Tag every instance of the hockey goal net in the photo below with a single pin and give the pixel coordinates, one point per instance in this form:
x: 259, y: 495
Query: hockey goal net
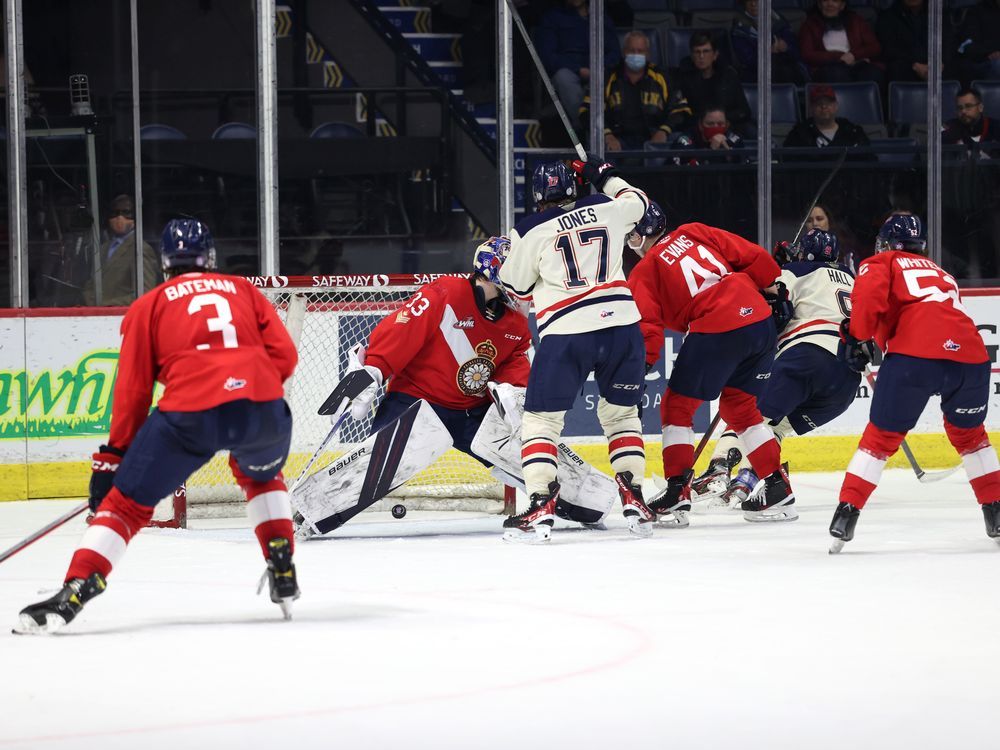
x: 327, y: 316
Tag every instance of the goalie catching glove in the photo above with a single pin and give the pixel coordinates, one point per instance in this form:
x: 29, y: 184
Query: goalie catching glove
x: 104, y: 465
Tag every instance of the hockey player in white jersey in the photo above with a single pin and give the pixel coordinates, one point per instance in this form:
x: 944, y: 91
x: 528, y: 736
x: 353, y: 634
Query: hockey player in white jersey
x: 809, y: 386
x: 567, y: 258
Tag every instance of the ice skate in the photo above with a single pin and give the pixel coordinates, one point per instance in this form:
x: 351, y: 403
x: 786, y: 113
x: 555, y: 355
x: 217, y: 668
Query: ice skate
x: 773, y: 500
x: 845, y: 518
x: 534, y: 526
x: 58, y: 611
x: 991, y: 514
x: 280, y: 576
x: 639, y: 516
x: 716, y: 479
x: 673, y: 504
x: 739, y: 490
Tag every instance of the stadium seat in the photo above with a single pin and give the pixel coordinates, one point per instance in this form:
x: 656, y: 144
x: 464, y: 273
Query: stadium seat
x: 899, y: 157
x: 655, y: 54
x: 908, y: 104
x: 160, y: 132
x: 336, y: 130
x: 708, y: 13
x: 990, y: 91
x: 677, y: 43
x: 861, y: 104
x: 784, y: 105
x: 235, y: 130
x: 640, y: 5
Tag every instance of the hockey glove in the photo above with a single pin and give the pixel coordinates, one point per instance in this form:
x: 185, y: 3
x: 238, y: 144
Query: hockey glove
x: 782, y: 253
x: 104, y: 465
x: 781, y: 306
x: 595, y: 171
x: 361, y: 406
x: 856, y: 354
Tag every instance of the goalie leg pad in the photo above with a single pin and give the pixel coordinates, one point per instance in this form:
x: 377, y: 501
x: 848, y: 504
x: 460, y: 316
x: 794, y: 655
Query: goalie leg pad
x: 368, y: 472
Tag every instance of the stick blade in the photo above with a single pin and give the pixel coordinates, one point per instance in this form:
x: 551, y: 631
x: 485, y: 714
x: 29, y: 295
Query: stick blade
x: 349, y: 387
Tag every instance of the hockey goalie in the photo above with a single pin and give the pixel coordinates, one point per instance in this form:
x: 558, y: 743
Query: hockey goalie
x: 437, y: 355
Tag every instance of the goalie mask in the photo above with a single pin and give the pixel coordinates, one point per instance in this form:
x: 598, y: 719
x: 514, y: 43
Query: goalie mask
x: 652, y: 224
x: 489, y: 257
x: 187, y: 243
x: 902, y: 232
x: 817, y: 245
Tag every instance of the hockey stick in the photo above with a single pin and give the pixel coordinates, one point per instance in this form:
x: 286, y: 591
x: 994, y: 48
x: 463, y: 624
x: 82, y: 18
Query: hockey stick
x: 341, y: 413
x: 922, y: 476
x: 819, y: 194
x: 43, y: 531
x: 705, y: 438
x: 547, y: 83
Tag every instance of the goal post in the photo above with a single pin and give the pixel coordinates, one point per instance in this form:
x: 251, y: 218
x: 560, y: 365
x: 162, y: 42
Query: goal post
x: 327, y: 316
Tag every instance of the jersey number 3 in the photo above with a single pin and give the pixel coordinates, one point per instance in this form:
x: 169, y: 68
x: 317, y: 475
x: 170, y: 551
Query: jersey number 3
x: 564, y: 245
x: 222, y: 322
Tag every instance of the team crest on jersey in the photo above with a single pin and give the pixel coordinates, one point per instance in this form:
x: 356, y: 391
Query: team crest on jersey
x: 746, y: 312
x: 607, y: 313
x: 234, y: 384
x: 474, y: 374
x: 951, y: 346
x: 468, y: 322
x: 402, y: 317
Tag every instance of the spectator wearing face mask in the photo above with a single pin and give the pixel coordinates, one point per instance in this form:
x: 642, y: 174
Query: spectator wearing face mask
x: 117, y: 255
x: 639, y: 103
x: 714, y: 132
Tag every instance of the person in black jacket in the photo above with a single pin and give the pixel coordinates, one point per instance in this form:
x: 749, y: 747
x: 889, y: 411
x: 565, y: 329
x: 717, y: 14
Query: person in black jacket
x: 786, y: 64
x: 824, y: 128
x: 902, y: 32
x: 704, y: 82
x: 979, y: 42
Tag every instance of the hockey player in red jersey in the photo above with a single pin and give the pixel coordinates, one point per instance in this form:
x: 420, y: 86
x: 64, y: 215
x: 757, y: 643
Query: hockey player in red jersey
x: 705, y: 282
x: 911, y: 308
x: 222, y: 355
x: 444, y: 345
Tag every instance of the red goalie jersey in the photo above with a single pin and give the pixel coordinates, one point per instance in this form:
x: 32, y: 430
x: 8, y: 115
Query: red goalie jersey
x: 688, y: 282
x: 209, y: 338
x: 440, y: 347
x: 910, y: 305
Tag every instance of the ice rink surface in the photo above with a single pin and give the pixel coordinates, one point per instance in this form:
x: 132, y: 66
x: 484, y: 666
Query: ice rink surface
x: 431, y: 634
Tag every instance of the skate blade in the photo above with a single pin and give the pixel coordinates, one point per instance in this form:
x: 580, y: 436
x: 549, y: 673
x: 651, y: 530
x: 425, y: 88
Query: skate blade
x: 640, y: 528
x: 714, y: 489
x: 775, y: 515
x: 538, y: 535
x: 675, y: 519
x: 286, y: 607
x: 836, y: 546
x: 27, y: 626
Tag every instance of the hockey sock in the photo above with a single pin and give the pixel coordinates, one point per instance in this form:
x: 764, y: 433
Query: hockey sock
x: 118, y: 519
x: 268, y: 507
x: 677, y: 414
x: 539, y: 456
x: 979, y: 459
x: 740, y: 411
x: 865, y: 469
x: 626, y: 448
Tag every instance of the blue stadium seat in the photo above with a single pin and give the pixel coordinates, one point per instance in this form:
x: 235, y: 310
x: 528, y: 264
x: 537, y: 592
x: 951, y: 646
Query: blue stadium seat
x: 784, y: 104
x: 858, y: 102
x: 159, y: 132
x: 235, y: 130
x: 336, y: 130
x: 897, y: 157
x: 990, y: 91
x: 908, y: 103
x: 655, y: 54
x: 650, y: 5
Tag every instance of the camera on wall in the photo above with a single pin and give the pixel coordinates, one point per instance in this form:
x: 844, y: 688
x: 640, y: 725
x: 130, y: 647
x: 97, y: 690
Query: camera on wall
x: 79, y: 95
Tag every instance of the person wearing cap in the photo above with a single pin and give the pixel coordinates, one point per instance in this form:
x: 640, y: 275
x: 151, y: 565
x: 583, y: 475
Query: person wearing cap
x: 838, y: 45
x: 118, y: 260
x: 824, y: 129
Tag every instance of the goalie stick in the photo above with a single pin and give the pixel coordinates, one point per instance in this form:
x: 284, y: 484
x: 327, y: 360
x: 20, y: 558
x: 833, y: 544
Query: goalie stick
x: 922, y: 476
x: 43, y: 531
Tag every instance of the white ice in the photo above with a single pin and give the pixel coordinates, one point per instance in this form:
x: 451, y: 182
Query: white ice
x: 723, y: 635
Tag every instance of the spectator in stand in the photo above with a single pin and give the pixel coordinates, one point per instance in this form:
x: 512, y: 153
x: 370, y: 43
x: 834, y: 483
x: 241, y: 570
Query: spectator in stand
x: 118, y: 260
x: 824, y: 128
x: 704, y: 82
x: 979, y: 42
x: 902, y: 32
x: 639, y: 104
x: 712, y: 131
x: 786, y: 64
x: 838, y: 45
x: 972, y: 127
x: 563, y: 42
x: 822, y: 218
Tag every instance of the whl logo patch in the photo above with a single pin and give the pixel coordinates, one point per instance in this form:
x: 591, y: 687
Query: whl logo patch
x: 469, y: 322
x: 234, y: 384
x: 746, y: 311
x: 951, y: 346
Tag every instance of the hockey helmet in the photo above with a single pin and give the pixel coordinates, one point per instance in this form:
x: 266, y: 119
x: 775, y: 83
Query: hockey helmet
x: 552, y: 182
x: 819, y: 246
x: 652, y: 224
x: 490, y: 256
x: 187, y: 243
x: 902, y: 232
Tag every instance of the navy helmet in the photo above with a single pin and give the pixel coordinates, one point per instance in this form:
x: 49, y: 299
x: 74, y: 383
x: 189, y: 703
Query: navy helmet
x: 902, y: 232
x: 490, y: 256
x: 652, y: 224
x: 553, y: 183
x: 819, y: 246
x: 187, y: 243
